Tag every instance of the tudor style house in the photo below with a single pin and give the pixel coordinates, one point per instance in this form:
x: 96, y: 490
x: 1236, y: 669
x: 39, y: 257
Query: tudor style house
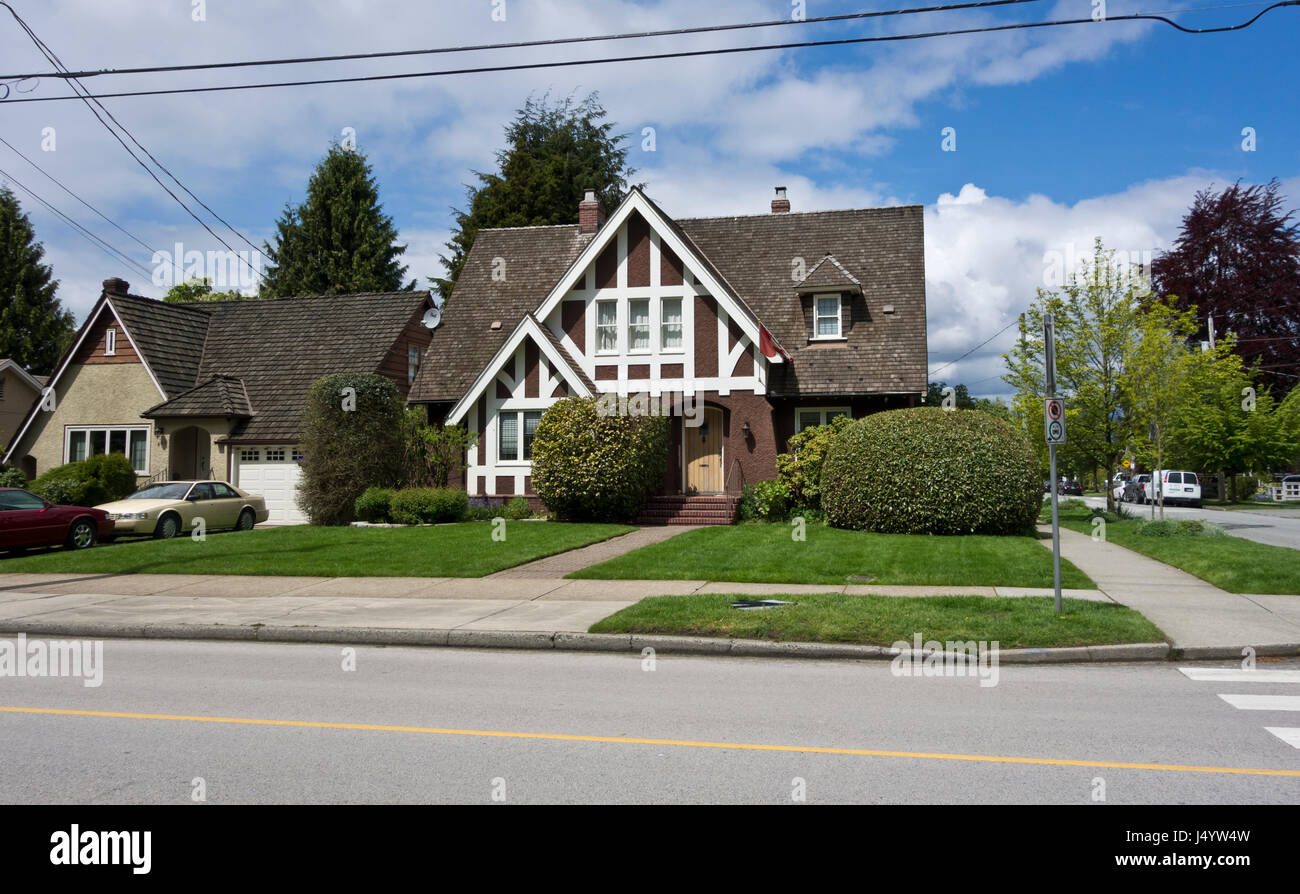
x: 213, y: 389
x: 747, y: 329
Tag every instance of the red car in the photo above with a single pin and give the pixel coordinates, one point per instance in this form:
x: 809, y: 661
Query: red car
x: 26, y: 520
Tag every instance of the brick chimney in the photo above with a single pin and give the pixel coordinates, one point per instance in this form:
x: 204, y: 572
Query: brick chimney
x: 115, y: 286
x: 780, y: 205
x: 591, y: 213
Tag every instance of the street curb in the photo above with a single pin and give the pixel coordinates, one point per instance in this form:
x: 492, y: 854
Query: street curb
x: 600, y: 642
x: 1205, y: 653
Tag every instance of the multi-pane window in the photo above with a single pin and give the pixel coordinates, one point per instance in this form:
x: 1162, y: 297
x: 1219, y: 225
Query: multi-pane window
x: 828, y: 316
x: 508, y: 437
x: 250, y: 455
x: 298, y: 455
x: 606, y: 327
x: 810, y: 416
x: 133, y: 443
x: 638, y: 325
x: 275, y: 454
x: 670, y: 335
x: 530, y: 428
x: 412, y: 363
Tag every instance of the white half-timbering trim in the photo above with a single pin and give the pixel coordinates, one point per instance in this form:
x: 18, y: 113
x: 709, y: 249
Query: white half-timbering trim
x: 528, y: 328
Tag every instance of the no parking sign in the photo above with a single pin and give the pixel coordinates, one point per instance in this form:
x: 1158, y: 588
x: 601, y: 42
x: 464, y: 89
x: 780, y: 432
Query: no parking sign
x: 1054, y: 420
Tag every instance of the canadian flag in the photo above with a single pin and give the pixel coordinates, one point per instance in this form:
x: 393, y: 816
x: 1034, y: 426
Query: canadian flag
x: 768, y: 345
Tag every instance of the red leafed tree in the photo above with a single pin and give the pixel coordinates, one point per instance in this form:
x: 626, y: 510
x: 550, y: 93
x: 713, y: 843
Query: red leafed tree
x: 1238, y: 259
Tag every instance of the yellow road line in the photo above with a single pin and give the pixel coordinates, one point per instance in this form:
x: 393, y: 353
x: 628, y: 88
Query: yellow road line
x: 680, y: 743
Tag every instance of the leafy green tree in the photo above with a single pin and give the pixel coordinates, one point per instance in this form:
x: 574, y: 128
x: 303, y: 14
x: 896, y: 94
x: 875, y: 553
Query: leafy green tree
x: 338, y: 242
x: 35, y: 329
x: 961, y: 400
x: 1094, y: 315
x: 554, y: 152
x: 1156, y: 378
x: 197, y: 290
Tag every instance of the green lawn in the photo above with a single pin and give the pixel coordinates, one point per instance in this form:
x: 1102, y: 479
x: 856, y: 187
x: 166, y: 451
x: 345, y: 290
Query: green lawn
x: 1230, y: 563
x: 465, y: 550
x: 768, y: 554
x: 882, y: 620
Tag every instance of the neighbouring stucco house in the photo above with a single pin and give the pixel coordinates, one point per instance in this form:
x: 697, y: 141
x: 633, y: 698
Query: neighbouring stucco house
x: 744, y: 329
x: 18, y: 392
x: 213, y: 389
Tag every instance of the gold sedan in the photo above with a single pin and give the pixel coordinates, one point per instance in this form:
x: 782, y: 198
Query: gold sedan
x: 168, y: 508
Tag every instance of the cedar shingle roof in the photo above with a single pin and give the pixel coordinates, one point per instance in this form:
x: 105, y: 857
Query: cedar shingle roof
x: 218, y: 396
x: 880, y: 251
x: 169, y: 336
x: 257, y: 357
x: 568, y: 358
x: 828, y: 275
x: 883, y: 247
x: 535, y: 259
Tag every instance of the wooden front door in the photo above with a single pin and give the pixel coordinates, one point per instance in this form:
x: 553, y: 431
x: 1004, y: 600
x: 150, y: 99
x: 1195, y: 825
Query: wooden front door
x: 702, y: 449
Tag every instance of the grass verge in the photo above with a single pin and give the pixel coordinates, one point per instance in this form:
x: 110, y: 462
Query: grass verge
x: 464, y: 550
x: 1230, y: 563
x: 769, y: 554
x: 1026, y: 622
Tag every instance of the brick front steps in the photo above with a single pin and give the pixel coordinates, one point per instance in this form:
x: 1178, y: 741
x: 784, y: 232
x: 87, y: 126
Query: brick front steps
x: 689, y: 510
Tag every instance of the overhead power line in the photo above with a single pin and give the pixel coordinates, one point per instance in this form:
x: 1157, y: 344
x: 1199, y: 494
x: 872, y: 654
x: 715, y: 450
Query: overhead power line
x: 112, y: 250
x: 977, y: 347
x: 95, y: 107
x: 518, y: 45
x: 680, y: 54
x: 59, y: 183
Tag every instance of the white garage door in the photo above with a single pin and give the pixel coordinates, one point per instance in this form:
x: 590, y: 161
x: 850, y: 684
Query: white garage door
x: 272, y: 473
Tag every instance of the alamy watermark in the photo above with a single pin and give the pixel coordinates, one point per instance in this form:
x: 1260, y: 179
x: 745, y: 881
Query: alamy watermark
x: 670, y: 403
x: 954, y: 658
x: 55, y: 658
x: 225, y: 270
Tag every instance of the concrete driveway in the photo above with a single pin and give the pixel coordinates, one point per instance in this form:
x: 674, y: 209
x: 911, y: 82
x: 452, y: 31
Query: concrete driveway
x: 1274, y: 526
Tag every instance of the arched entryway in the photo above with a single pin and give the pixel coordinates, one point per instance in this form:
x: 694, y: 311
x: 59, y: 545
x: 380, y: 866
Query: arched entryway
x: 189, y: 454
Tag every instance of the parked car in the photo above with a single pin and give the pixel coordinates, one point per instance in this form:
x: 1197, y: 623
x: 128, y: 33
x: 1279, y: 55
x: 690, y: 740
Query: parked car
x: 169, y: 508
x: 1119, y: 487
x: 1072, y: 488
x: 1137, y: 488
x: 1177, y: 487
x: 26, y: 520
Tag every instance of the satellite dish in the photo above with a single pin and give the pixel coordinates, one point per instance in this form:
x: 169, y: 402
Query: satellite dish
x: 432, y: 317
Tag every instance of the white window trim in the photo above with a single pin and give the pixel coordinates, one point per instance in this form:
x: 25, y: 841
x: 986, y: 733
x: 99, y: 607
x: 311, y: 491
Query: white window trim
x: 681, y: 321
x: 413, y: 356
x: 520, y: 462
x: 110, y: 342
x: 839, y: 318
x: 649, y: 328
x: 615, y: 325
x: 148, y: 439
x: 827, y: 413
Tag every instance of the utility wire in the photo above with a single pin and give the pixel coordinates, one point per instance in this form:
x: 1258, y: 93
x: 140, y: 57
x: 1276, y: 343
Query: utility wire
x: 58, y: 183
x: 102, y: 244
x: 976, y: 348
x: 96, y: 107
x: 674, y: 32
x: 682, y: 54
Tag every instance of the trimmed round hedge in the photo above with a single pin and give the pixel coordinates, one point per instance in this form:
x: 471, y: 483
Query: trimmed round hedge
x: 590, y: 465
x: 932, y: 471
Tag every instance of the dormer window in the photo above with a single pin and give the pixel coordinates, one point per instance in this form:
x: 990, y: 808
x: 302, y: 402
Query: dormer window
x: 827, y: 323
x: 110, y: 343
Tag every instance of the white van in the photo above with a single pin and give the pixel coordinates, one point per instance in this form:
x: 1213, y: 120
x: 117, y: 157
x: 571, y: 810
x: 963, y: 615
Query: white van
x: 1178, y: 487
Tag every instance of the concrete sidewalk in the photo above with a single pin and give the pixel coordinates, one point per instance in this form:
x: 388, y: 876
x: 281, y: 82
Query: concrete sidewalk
x: 1192, y: 613
x: 559, y: 565
x: 489, y: 603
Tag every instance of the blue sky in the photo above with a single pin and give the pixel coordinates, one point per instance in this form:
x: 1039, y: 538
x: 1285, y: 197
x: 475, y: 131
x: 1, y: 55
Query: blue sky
x: 1061, y: 134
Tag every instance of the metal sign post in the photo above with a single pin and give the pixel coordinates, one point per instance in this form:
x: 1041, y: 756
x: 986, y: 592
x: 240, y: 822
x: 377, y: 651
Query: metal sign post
x: 1054, y: 433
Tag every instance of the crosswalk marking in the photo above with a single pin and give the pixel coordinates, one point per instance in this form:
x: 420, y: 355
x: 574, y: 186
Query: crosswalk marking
x: 1263, y: 702
x: 1288, y: 734
x: 1236, y: 675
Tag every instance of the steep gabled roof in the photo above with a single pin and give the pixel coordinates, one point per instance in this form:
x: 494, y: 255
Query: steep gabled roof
x: 8, y: 365
x: 536, y: 258
x: 168, y: 337
x: 217, y: 396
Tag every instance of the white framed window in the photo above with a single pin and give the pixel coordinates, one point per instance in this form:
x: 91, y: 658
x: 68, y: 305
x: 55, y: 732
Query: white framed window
x: 298, y: 455
x: 275, y: 454
x: 249, y: 454
x: 638, y: 326
x: 110, y: 342
x: 83, y: 442
x: 412, y: 363
x: 606, y: 327
x: 515, y: 431
x: 670, y: 324
x: 807, y: 417
x: 826, y: 317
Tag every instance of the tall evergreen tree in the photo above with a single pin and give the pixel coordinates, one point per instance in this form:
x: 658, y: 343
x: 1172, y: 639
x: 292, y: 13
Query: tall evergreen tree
x: 338, y: 242
x: 35, y: 329
x: 554, y: 152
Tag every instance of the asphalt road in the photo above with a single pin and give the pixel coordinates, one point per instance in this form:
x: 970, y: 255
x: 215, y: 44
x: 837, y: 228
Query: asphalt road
x: 446, y: 725
x: 1276, y: 527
